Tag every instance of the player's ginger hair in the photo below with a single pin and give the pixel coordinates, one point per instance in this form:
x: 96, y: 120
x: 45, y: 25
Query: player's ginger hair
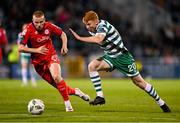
x: 90, y: 15
x: 38, y: 13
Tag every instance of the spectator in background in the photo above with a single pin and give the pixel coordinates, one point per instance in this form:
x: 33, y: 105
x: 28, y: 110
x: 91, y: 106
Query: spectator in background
x: 62, y: 15
x: 13, y: 59
x: 25, y: 64
x: 3, y: 40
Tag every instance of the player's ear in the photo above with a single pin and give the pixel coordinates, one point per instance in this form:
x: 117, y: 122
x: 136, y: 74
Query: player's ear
x: 83, y: 21
x: 96, y: 21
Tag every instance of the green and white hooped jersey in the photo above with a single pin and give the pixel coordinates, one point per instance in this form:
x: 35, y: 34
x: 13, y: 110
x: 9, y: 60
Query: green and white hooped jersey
x: 115, y: 53
x: 112, y: 44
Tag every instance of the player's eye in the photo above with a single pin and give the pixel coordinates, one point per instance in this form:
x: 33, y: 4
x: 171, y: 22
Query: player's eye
x: 39, y: 22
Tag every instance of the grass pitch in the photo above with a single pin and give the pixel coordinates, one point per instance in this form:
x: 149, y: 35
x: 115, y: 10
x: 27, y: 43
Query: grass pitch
x: 124, y: 102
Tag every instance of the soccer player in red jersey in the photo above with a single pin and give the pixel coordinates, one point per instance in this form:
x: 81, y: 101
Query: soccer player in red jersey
x: 44, y: 57
x: 3, y: 40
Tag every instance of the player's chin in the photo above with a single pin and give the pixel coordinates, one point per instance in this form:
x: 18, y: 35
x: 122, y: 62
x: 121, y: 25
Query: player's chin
x: 39, y: 29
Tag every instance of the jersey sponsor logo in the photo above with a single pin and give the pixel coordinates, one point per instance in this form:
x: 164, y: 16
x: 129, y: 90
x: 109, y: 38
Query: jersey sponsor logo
x: 43, y: 38
x: 46, y: 31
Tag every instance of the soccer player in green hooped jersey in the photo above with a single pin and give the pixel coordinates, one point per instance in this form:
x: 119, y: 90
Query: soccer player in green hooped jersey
x: 116, y: 56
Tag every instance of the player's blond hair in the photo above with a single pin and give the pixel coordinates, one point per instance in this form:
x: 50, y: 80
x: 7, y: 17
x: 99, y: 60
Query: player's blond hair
x: 90, y: 15
x: 38, y: 13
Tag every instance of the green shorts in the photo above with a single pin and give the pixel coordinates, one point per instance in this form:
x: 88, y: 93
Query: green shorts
x: 124, y: 63
x: 25, y: 57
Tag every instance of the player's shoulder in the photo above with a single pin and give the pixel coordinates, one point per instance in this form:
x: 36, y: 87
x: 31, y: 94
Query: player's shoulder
x: 102, y: 23
x: 29, y: 26
x: 50, y: 24
x: 27, y: 29
x: 47, y: 23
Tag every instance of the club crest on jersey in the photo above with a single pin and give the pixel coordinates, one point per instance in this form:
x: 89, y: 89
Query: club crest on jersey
x: 46, y: 31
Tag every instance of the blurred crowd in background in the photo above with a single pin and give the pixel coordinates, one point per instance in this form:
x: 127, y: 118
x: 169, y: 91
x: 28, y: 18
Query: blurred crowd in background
x: 150, y: 29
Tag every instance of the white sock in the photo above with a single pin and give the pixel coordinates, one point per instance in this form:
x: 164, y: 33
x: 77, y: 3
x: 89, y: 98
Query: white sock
x: 67, y: 104
x: 160, y: 102
x: 24, y: 75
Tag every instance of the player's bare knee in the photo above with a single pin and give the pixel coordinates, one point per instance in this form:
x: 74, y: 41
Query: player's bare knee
x: 91, y: 67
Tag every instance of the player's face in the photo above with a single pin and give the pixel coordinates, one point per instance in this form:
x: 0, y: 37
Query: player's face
x: 91, y: 25
x: 39, y: 22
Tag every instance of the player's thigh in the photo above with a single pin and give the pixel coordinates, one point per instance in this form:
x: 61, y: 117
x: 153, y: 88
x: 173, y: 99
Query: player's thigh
x: 55, y: 69
x: 104, y: 66
x: 98, y: 65
x: 44, y: 72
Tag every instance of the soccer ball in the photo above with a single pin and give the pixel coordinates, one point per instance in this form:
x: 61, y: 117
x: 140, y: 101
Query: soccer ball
x: 36, y: 107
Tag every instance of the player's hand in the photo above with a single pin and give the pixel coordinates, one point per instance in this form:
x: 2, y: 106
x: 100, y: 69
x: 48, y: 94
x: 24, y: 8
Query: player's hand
x: 42, y: 50
x: 64, y: 50
x: 74, y: 33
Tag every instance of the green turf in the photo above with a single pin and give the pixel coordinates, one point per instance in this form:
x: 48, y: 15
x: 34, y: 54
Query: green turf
x: 124, y: 102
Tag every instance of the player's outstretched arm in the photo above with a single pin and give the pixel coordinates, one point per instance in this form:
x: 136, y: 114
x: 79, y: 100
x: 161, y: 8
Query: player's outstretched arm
x: 91, y: 39
x: 41, y: 50
x: 64, y: 48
